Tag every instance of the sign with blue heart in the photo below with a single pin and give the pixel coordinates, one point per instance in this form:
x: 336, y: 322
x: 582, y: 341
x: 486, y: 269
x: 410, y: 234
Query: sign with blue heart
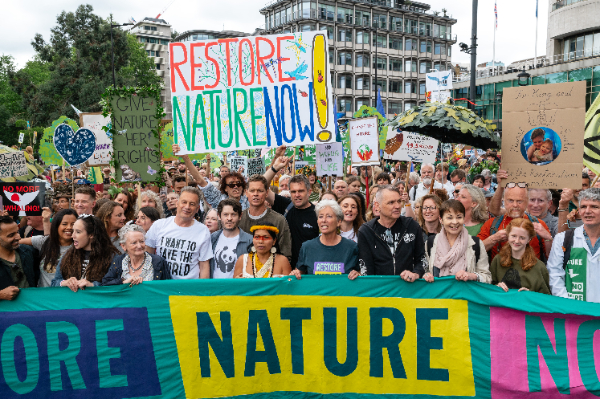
x: 74, y: 147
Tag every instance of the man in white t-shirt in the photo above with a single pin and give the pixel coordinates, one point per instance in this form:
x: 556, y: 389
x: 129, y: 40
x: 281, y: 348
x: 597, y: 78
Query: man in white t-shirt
x: 229, y: 243
x: 182, y: 240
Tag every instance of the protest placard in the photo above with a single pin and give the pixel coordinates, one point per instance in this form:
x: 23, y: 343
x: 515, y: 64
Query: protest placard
x: 237, y: 162
x: 21, y: 137
x: 407, y: 146
x: 543, y: 129
x: 135, y: 145
x: 94, y: 121
x: 256, y: 166
x: 438, y: 81
x: 242, y: 93
x: 13, y: 164
x: 23, y: 199
x: 298, y: 165
x: 364, y: 141
x: 330, y: 161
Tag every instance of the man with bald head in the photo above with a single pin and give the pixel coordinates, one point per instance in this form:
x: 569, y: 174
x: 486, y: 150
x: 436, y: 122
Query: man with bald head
x: 340, y: 188
x: 516, y: 200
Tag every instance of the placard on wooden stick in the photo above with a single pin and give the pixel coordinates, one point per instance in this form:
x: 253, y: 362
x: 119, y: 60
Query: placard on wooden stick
x: 542, y: 134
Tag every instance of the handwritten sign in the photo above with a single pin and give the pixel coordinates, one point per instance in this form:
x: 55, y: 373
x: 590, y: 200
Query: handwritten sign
x: 437, y: 81
x: 299, y: 165
x: 135, y: 146
x: 364, y: 141
x: 13, y: 164
x: 237, y: 162
x: 407, y: 146
x: 252, y: 92
x: 330, y: 161
x: 542, y: 141
x: 94, y: 122
x: 256, y: 166
x: 23, y: 199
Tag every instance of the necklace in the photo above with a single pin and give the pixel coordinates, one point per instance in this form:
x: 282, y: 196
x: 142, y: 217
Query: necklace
x: 134, y: 268
x: 265, y: 268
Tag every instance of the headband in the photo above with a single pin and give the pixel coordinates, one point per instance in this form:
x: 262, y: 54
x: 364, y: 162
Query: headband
x: 269, y: 228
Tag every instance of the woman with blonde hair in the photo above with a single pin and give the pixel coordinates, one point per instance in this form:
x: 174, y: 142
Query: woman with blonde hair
x: 428, y: 216
x: 476, y: 213
x: 516, y: 266
x: 151, y: 199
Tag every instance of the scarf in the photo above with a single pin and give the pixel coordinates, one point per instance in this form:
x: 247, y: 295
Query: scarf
x: 451, y: 259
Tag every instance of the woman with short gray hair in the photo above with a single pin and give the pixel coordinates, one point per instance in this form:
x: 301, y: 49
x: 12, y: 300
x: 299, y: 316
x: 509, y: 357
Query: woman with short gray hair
x: 330, y: 253
x: 135, y: 265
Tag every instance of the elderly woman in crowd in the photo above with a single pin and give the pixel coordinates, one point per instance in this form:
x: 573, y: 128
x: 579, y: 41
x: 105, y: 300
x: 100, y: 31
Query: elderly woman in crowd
x: 112, y: 215
x: 352, y: 209
x: 476, y: 213
x: 52, y: 247
x: 488, y: 185
x: 136, y: 265
x: 428, y: 215
x: 125, y: 199
x: 211, y: 220
x: 264, y: 259
x: 171, y: 202
x: 146, y: 216
x: 453, y: 252
x: 87, y: 261
x: 150, y: 199
x: 329, y: 253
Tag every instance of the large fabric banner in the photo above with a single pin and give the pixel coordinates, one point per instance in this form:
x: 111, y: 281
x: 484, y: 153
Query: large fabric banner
x: 251, y: 92
x: 284, y: 338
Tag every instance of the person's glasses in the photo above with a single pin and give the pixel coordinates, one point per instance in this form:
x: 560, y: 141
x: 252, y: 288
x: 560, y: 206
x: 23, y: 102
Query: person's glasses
x: 513, y: 185
x: 262, y: 238
x: 429, y: 208
x: 234, y: 185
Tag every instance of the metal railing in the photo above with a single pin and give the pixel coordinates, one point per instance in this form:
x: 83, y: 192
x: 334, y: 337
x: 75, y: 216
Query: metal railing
x: 563, y: 3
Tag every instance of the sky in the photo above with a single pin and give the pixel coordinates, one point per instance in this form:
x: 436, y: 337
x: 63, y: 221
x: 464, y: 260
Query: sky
x: 515, y: 36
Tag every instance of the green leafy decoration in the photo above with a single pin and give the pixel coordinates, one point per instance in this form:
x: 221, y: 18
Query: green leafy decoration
x: 47, y: 150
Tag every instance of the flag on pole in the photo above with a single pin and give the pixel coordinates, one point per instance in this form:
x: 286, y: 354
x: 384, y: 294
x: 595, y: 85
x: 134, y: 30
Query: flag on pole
x: 496, y: 13
x: 132, y: 20
x: 380, y: 103
x: 536, y: 8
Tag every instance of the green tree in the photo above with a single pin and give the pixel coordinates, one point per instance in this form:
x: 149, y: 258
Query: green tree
x: 10, y: 101
x: 141, y: 68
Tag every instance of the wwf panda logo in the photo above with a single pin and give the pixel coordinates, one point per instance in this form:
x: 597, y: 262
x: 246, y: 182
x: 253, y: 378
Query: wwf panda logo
x: 225, y: 259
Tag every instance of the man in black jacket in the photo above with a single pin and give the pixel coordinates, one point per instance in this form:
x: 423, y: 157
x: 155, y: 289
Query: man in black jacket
x: 391, y: 244
x: 18, y: 263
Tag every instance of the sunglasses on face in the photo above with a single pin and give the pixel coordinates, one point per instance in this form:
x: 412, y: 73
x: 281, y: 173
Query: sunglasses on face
x: 513, y: 185
x: 234, y: 185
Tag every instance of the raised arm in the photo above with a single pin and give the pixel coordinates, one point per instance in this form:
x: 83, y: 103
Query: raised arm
x: 279, y: 161
x: 563, y: 209
x: 496, y: 202
x: 190, y: 166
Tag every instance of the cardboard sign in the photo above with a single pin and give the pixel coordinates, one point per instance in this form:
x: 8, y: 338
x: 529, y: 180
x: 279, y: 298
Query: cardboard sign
x: 21, y: 137
x: 364, y: 141
x: 330, y: 161
x: 542, y: 141
x: 298, y: 165
x: 437, y: 96
x: 407, y: 146
x: 235, y: 163
x: 252, y: 92
x: 135, y: 146
x: 13, y: 164
x: 95, y: 122
x: 438, y: 81
x: 256, y: 166
x: 23, y: 199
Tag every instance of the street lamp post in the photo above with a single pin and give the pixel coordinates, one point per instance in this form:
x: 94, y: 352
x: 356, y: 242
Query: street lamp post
x: 473, y: 51
x: 112, y: 49
x: 523, y: 78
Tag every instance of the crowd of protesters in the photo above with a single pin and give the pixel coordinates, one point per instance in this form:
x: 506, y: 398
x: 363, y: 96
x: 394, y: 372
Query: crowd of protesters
x: 448, y: 219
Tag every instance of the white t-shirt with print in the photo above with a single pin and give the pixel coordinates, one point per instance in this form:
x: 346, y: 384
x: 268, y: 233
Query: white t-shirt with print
x: 181, y: 247
x: 225, y: 256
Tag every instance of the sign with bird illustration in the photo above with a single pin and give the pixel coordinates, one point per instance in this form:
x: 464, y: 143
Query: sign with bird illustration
x: 23, y: 199
x: 438, y: 81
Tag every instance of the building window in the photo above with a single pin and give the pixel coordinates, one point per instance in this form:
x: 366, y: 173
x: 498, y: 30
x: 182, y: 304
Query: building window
x: 306, y: 28
x: 410, y: 65
x: 362, y: 60
x: 344, y: 58
x: 360, y: 103
x: 410, y: 87
x: 409, y: 104
x: 344, y: 81
x: 331, y: 56
x: 150, y: 27
x: 344, y: 15
x: 422, y: 88
x: 379, y: 21
x: 362, y: 83
x: 424, y: 67
x: 395, y: 64
x: 344, y: 105
x: 329, y: 30
x: 396, y: 24
x: 157, y: 66
x: 449, y: 51
x: 363, y: 18
x: 306, y: 8
x: 411, y: 44
x: 380, y: 62
x: 395, y: 43
x: 394, y: 107
x: 411, y: 26
x: 326, y: 12
x: 344, y: 35
x: 425, y: 46
x: 380, y: 41
x: 425, y: 28
x: 395, y: 86
x: 362, y: 37
x: 381, y: 85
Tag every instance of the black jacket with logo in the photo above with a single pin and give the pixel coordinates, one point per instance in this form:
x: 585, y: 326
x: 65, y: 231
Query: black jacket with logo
x: 375, y: 256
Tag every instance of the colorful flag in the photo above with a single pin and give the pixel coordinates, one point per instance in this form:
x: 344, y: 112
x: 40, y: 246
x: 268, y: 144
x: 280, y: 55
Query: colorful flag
x: 496, y: 13
x: 380, y: 103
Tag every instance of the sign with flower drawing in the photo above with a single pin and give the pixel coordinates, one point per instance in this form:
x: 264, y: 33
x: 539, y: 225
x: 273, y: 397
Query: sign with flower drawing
x: 364, y: 141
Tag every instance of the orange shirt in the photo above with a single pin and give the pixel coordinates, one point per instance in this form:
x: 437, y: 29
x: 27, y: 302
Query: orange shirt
x: 485, y: 233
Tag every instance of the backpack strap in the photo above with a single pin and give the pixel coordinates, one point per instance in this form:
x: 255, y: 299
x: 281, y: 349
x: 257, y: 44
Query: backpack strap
x: 494, y: 229
x: 290, y: 206
x: 543, y: 258
x: 429, y: 245
x: 566, y: 247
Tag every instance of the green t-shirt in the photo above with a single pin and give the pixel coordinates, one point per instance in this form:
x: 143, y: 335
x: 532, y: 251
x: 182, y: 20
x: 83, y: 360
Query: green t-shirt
x: 535, y: 279
x: 474, y: 230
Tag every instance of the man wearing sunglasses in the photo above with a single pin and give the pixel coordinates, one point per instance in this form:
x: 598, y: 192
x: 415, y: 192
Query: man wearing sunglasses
x: 18, y: 263
x: 516, y: 201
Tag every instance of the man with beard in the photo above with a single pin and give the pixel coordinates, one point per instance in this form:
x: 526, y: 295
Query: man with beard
x: 18, y: 263
x: 516, y: 200
x: 423, y: 188
x: 230, y: 242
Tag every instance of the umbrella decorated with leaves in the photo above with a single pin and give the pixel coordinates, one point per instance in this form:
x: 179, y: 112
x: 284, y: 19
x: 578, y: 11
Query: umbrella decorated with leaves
x: 448, y: 124
x: 33, y: 168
